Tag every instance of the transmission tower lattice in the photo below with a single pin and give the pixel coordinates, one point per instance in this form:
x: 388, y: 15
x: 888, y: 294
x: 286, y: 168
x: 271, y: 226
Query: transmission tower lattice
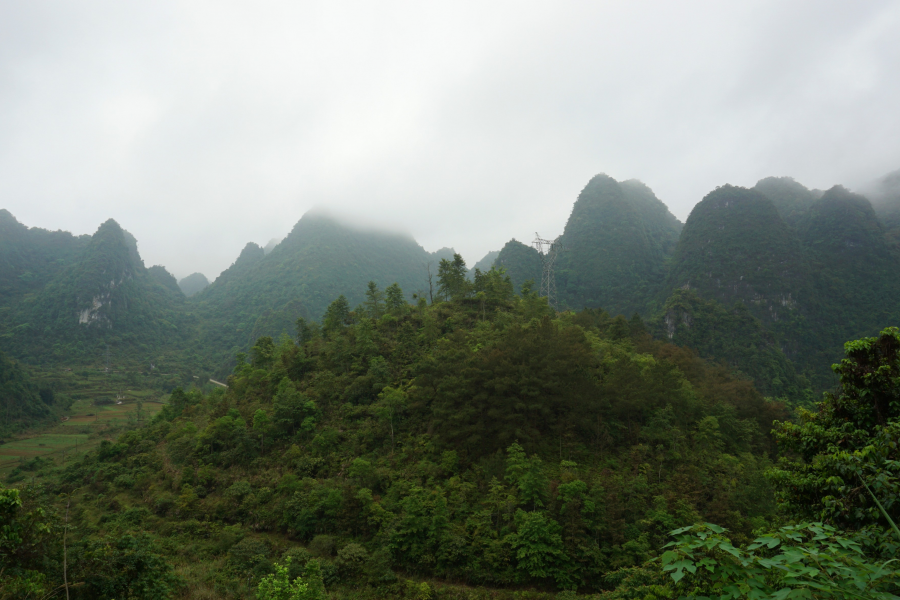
x: 549, y: 250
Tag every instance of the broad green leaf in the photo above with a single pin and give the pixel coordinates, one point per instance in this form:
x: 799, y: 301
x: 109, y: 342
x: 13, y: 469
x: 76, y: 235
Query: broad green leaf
x: 668, y: 557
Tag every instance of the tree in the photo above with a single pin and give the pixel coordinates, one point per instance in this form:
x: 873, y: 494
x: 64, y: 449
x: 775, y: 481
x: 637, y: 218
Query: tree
x: 26, y: 542
x: 263, y: 353
x: 277, y: 586
x: 850, y: 441
x: 304, y: 331
x: 124, y: 567
x: 261, y: 425
x: 495, y: 284
x: 338, y: 315
x: 452, y: 282
x: 430, y: 282
x: 528, y: 475
x: 373, y: 303
x: 292, y: 410
x: 539, y: 548
x: 395, y: 300
x: 391, y: 402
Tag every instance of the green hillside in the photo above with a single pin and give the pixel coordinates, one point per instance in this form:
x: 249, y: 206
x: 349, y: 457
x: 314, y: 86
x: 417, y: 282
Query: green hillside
x: 790, y: 198
x: 104, y: 297
x: 159, y: 274
x: 319, y: 260
x: 483, y: 444
x: 854, y: 269
x: 733, y: 336
x: 30, y: 258
x: 735, y: 247
x: 477, y: 445
x: 616, y: 241
x: 21, y: 403
x: 522, y: 263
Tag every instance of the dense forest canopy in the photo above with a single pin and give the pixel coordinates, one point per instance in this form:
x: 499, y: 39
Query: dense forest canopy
x: 480, y: 440
x: 387, y: 422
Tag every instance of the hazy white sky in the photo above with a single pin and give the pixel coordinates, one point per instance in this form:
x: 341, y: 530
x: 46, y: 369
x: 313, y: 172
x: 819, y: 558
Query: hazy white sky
x: 203, y: 125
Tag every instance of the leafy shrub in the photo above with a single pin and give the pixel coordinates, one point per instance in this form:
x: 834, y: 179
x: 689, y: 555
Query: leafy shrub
x: 124, y: 482
x: 163, y: 504
x: 250, y: 555
x: 351, y: 559
x: 322, y: 545
x: 788, y: 563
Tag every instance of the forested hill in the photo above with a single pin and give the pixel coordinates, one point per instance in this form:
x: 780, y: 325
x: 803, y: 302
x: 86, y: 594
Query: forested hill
x: 617, y: 240
x: 485, y: 440
x: 103, y: 295
x: 32, y: 257
x: 768, y: 279
x: 735, y: 246
x: 264, y: 294
x: 193, y: 284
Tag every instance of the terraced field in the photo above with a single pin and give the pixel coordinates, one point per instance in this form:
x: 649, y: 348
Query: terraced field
x: 103, y: 404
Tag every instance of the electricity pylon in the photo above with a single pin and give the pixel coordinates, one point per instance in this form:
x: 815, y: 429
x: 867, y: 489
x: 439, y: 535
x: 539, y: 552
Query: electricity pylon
x: 549, y: 250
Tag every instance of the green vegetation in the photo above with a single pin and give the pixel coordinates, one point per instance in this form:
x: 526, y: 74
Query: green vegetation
x: 521, y: 263
x: 165, y: 279
x: 319, y: 260
x: 103, y: 297
x: 31, y: 258
x: 735, y: 247
x: 735, y: 337
x: 479, y: 440
x: 851, y: 439
x: 791, y: 199
x: 617, y: 241
x: 397, y: 425
x: 23, y: 404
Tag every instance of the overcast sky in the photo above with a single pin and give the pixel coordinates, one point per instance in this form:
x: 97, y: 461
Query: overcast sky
x: 200, y: 126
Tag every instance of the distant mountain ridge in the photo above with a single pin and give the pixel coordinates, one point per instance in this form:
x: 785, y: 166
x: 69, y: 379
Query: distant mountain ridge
x: 319, y: 260
x: 617, y: 241
x: 769, y: 279
x: 193, y: 284
x: 99, y: 293
x: 806, y: 270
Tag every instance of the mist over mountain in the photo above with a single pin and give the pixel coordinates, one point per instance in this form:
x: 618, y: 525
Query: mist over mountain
x: 885, y: 196
x: 193, y: 284
x: 768, y: 279
x: 353, y: 370
x: 319, y: 260
x: 790, y: 198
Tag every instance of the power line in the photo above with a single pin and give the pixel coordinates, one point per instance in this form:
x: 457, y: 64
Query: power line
x: 549, y: 250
